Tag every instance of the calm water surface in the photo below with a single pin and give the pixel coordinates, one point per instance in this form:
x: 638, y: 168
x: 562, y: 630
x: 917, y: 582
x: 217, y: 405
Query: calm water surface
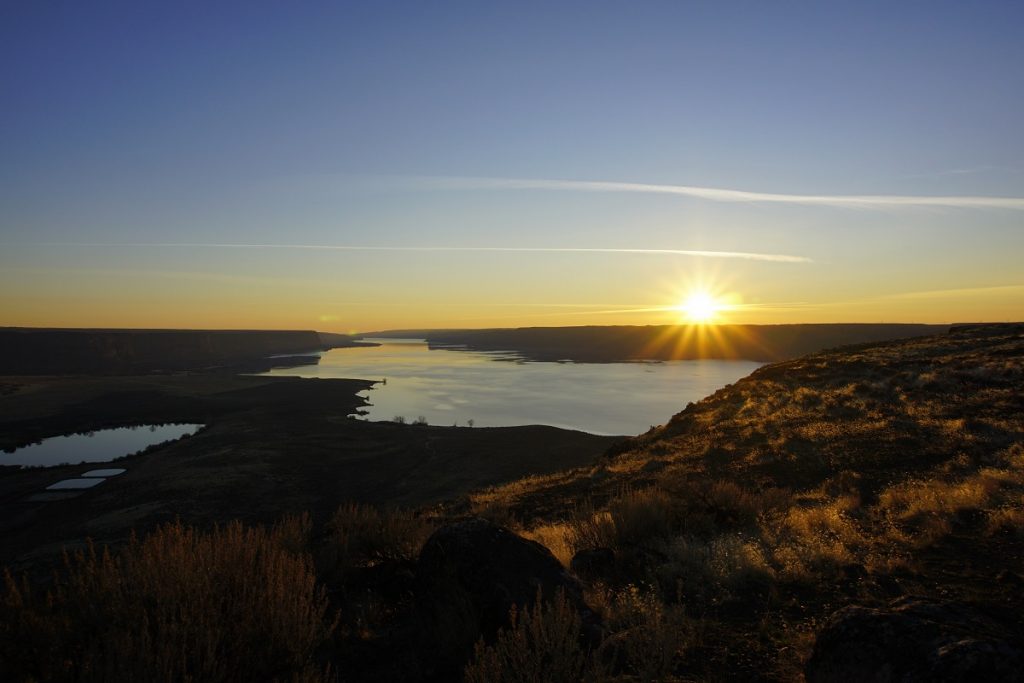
x: 453, y: 387
x: 98, y: 446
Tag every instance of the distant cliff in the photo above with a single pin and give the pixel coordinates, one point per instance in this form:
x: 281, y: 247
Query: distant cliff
x: 61, y: 351
x: 672, y: 342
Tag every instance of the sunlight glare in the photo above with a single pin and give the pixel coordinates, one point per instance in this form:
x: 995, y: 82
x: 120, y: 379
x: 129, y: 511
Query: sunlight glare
x: 700, y: 307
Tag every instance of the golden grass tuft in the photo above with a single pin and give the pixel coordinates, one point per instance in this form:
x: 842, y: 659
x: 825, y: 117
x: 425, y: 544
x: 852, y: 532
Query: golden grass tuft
x: 555, y: 537
x: 810, y: 541
x: 910, y: 502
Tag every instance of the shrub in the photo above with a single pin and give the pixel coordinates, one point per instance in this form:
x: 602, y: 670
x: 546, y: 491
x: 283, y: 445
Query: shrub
x: 542, y: 643
x: 590, y: 529
x: 648, y: 635
x: 642, y: 515
x: 702, y: 572
x: 234, y: 604
x: 363, y: 535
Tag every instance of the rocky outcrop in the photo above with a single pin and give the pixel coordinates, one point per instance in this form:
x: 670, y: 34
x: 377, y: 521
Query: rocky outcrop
x: 593, y: 563
x: 913, y: 640
x: 471, y: 573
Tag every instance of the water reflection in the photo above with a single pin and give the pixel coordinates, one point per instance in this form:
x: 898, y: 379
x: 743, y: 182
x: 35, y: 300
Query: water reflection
x: 453, y: 387
x: 98, y: 446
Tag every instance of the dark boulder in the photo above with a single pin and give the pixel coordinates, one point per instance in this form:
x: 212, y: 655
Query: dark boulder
x: 471, y: 573
x: 593, y: 563
x: 913, y: 640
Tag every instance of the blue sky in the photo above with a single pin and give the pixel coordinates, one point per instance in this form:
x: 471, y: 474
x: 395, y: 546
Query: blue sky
x: 338, y: 123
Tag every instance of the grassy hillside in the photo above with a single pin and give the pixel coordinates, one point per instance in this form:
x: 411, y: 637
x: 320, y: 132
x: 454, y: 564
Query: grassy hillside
x: 849, y: 477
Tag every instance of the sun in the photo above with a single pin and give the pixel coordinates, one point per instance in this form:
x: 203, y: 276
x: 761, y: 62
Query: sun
x: 700, y: 307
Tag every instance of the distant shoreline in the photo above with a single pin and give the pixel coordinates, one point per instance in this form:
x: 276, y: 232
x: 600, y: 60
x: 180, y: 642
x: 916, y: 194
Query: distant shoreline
x: 610, y: 344
x: 52, y: 351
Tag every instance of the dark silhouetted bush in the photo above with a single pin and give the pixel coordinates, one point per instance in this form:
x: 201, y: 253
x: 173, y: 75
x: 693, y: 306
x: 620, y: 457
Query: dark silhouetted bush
x: 233, y: 604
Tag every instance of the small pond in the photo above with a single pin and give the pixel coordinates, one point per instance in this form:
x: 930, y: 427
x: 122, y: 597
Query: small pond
x: 99, y: 446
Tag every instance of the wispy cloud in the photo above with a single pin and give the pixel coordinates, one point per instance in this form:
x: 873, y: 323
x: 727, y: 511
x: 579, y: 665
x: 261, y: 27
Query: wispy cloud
x: 737, y: 196
x: 750, y: 256
x: 974, y: 170
x: 490, y: 304
x: 960, y: 292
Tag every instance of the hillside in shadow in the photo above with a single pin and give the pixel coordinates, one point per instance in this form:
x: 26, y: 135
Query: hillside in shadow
x: 41, y: 351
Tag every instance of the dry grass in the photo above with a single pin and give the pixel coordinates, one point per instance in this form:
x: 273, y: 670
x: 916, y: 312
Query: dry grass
x: 643, y: 640
x: 849, y: 476
x: 361, y: 535
x: 931, y: 508
x: 541, y: 643
x: 809, y: 543
x: 555, y: 537
x: 1009, y: 519
x: 639, y: 516
x: 234, y: 604
x: 633, y: 519
x: 646, y: 637
x: 701, y: 573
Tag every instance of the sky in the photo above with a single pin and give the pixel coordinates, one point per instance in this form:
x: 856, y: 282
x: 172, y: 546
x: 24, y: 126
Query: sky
x: 349, y: 166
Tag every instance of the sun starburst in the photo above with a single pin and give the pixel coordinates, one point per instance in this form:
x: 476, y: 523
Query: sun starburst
x: 700, y: 307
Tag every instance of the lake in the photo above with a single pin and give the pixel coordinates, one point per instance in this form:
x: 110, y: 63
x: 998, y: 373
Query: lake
x: 99, y: 446
x: 499, y: 389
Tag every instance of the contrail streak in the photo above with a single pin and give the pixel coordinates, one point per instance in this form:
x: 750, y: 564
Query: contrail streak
x: 750, y: 256
x: 729, y: 195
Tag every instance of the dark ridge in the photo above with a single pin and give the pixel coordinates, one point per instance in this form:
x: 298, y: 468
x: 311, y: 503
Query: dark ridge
x: 37, y: 351
x: 602, y: 344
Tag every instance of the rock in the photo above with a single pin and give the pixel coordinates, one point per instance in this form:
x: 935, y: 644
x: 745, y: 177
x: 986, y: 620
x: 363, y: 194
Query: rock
x: 391, y: 579
x: 1010, y: 578
x: 853, y: 572
x: 655, y: 465
x: 593, y: 563
x: 470, y: 574
x: 913, y: 640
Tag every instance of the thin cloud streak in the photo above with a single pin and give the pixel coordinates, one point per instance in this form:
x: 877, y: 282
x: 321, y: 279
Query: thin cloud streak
x: 749, y: 256
x: 735, y: 196
x: 963, y: 291
x: 966, y: 171
x: 469, y: 304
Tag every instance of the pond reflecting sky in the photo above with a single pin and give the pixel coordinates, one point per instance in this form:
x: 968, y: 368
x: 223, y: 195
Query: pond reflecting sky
x: 99, y: 446
x: 453, y: 387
